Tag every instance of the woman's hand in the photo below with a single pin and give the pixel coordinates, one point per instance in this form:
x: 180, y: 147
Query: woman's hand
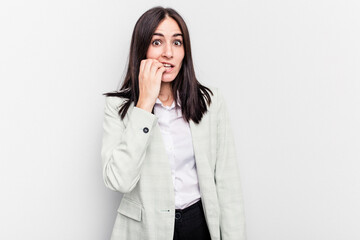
x: 150, y: 75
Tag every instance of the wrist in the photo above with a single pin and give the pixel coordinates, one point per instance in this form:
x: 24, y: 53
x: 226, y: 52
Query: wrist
x: 145, y: 105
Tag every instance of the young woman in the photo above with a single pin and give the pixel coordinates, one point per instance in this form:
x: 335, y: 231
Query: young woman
x: 167, y: 143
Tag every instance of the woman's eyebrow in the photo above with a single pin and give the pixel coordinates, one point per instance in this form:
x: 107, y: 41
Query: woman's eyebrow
x: 162, y: 35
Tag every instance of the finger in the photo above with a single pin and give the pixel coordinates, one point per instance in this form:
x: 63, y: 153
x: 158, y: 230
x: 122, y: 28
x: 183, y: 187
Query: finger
x: 147, y: 68
x: 160, y: 72
x: 155, y: 66
x: 155, y: 62
x: 142, y: 67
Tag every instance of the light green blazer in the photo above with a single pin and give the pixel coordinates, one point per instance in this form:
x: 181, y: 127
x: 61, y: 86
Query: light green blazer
x: 135, y: 163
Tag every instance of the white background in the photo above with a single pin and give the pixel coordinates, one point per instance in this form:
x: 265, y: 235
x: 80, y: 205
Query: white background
x: 290, y: 73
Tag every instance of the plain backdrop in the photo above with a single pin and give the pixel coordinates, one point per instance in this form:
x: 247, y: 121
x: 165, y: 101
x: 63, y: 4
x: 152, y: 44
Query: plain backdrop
x: 290, y: 74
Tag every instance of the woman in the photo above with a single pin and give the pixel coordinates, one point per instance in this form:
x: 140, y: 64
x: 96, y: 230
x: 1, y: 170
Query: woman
x: 167, y: 143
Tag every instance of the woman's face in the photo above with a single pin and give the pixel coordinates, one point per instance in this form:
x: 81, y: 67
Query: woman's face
x: 167, y: 47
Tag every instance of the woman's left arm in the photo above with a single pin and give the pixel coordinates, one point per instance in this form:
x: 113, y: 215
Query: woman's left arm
x: 227, y: 178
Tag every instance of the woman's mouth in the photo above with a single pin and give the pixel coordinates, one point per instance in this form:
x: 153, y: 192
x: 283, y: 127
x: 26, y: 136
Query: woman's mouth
x: 169, y: 67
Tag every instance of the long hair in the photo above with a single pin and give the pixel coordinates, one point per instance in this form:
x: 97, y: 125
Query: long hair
x: 193, y: 96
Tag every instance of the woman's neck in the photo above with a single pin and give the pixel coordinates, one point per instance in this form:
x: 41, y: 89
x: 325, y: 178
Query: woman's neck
x: 165, y: 95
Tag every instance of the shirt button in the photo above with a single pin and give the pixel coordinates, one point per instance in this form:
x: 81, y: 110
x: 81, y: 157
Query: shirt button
x: 145, y: 130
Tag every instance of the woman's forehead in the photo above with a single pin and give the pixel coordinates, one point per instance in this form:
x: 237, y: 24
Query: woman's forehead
x: 168, y: 26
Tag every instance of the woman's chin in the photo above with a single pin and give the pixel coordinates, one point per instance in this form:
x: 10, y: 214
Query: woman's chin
x: 167, y: 79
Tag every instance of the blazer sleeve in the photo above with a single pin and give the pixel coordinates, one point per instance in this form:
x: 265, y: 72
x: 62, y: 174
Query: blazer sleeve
x: 227, y: 178
x: 124, y: 147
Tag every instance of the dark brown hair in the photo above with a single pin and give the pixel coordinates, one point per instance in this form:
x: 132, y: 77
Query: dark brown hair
x: 192, y: 94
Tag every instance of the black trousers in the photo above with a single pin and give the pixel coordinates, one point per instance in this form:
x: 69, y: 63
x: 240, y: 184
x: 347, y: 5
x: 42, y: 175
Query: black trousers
x: 190, y: 223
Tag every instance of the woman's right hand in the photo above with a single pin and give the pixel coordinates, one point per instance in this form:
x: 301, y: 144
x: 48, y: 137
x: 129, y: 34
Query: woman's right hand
x: 150, y: 74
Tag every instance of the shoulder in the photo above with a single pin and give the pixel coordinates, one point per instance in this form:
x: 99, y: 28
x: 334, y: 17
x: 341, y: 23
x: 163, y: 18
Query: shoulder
x: 113, y: 105
x: 217, y: 98
x: 114, y: 102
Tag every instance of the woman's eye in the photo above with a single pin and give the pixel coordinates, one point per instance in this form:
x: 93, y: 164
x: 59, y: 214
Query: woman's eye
x: 177, y: 42
x: 156, y: 42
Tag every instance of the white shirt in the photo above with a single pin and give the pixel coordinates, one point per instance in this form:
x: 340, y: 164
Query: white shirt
x: 178, y: 143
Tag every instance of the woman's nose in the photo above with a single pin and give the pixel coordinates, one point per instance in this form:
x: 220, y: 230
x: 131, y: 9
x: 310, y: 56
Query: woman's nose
x: 168, y: 51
